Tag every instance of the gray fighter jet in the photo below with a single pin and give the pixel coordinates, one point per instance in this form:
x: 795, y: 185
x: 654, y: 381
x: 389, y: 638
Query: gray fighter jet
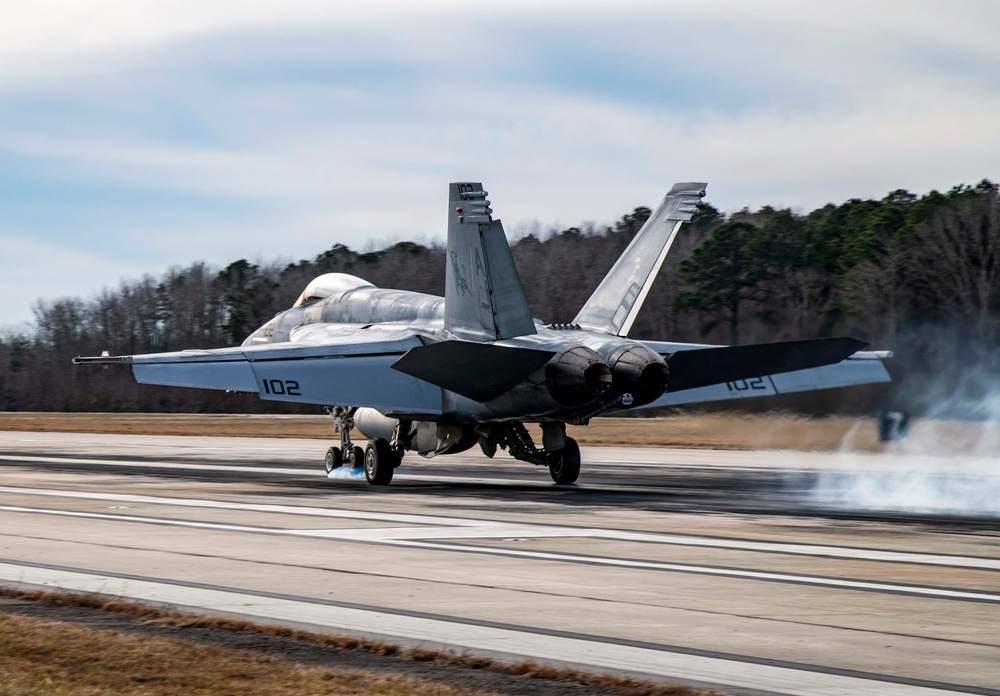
x: 435, y: 375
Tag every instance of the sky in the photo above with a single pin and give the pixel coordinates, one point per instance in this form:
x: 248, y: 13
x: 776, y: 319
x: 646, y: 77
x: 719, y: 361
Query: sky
x: 135, y: 136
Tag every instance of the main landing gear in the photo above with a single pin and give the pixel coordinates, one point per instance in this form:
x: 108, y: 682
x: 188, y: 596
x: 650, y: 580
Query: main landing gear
x: 560, y: 453
x: 380, y: 458
x: 380, y: 462
x: 564, y: 466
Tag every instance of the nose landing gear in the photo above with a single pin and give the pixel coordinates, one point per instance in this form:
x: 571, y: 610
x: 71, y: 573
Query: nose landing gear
x: 347, y: 454
x: 379, y: 459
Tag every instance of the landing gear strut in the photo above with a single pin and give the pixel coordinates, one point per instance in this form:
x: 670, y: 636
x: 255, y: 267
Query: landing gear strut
x: 561, y: 454
x: 347, y: 453
x: 379, y: 459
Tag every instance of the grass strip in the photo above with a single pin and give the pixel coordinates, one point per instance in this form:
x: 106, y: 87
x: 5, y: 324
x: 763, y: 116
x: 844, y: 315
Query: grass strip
x: 56, y: 658
x: 128, y: 669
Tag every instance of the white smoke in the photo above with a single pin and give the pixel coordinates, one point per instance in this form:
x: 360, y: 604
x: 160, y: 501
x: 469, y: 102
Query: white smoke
x: 347, y: 472
x: 949, y: 464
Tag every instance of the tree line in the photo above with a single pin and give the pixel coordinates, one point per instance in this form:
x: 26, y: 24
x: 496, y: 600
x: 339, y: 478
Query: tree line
x: 919, y: 275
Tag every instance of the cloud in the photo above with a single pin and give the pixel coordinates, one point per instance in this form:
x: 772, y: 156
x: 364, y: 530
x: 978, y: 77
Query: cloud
x: 141, y: 135
x: 34, y: 269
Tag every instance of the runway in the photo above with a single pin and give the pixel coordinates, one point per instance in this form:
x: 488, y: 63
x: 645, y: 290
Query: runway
x: 706, y: 567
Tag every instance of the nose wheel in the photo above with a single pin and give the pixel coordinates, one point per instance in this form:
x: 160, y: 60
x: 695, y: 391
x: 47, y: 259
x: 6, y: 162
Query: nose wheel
x: 334, y: 459
x: 347, y: 453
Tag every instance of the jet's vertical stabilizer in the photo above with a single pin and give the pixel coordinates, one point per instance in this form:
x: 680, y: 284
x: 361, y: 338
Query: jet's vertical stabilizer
x: 614, y: 305
x: 483, y: 299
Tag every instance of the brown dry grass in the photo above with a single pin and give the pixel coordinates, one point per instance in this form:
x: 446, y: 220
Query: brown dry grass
x: 37, y: 653
x: 46, y: 657
x: 716, y: 431
x: 235, y: 425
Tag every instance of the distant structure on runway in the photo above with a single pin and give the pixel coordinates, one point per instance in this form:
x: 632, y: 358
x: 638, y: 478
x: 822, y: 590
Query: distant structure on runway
x: 441, y: 375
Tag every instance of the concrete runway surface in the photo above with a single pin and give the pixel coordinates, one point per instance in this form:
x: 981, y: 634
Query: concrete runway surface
x: 703, y: 567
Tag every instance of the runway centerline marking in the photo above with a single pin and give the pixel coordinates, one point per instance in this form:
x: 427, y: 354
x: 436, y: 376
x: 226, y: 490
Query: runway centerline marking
x: 539, y: 530
x: 411, y: 537
x: 522, y: 641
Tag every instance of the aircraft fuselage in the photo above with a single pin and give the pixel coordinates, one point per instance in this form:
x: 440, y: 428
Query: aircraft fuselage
x: 588, y: 372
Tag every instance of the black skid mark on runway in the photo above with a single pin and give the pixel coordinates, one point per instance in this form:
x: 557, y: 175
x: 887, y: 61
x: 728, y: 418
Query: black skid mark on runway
x: 696, y: 490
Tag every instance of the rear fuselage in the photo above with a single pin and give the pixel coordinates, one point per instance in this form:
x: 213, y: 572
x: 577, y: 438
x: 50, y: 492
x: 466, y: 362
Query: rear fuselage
x: 589, y: 372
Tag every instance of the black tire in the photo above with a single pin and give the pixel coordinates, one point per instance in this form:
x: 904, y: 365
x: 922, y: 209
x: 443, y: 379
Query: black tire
x: 380, y: 462
x: 565, y: 467
x: 334, y: 459
x: 359, y: 456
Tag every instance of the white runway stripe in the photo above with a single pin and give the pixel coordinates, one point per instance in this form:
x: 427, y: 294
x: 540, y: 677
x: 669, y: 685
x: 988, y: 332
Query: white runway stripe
x: 934, y: 592
x: 409, y: 536
x: 538, y: 530
x: 442, y: 633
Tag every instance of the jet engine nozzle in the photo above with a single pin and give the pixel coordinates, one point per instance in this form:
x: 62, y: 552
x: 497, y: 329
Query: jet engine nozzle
x: 639, y: 371
x: 577, y: 376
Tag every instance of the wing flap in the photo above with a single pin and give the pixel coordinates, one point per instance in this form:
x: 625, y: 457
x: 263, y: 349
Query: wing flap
x: 346, y: 380
x: 226, y: 375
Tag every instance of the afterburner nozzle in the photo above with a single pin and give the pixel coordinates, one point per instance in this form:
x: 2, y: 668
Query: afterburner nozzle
x: 639, y: 371
x: 577, y: 376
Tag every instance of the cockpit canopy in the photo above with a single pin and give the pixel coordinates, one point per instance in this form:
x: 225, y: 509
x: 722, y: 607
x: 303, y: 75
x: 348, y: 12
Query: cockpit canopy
x: 329, y: 284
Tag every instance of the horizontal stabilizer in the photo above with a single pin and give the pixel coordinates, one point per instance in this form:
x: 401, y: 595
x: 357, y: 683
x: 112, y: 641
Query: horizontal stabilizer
x: 690, y: 369
x: 478, y: 371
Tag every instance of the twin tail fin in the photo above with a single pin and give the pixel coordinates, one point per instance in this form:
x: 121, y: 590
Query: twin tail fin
x: 615, y: 304
x: 484, y: 300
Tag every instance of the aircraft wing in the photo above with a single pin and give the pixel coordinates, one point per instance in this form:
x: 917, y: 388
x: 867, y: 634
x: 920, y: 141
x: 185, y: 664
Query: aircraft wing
x: 859, y: 367
x: 350, y: 369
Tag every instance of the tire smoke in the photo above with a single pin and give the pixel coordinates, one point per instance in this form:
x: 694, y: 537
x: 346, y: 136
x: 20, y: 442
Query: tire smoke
x: 950, y: 463
x: 347, y: 472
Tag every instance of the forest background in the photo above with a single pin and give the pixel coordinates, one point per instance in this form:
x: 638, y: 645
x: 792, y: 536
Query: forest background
x: 918, y: 275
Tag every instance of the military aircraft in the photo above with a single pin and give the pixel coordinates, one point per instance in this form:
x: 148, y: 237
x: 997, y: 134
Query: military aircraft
x: 416, y: 372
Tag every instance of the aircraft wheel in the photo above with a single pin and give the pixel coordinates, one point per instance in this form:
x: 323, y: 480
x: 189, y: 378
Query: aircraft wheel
x: 359, y: 456
x: 380, y: 461
x: 333, y: 459
x: 565, y: 468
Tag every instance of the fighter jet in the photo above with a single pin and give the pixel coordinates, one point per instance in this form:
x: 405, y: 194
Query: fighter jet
x: 438, y: 376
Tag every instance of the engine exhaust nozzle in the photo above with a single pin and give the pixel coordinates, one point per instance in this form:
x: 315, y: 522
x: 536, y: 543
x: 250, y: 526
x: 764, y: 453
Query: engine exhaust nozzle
x: 577, y: 376
x: 639, y: 371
